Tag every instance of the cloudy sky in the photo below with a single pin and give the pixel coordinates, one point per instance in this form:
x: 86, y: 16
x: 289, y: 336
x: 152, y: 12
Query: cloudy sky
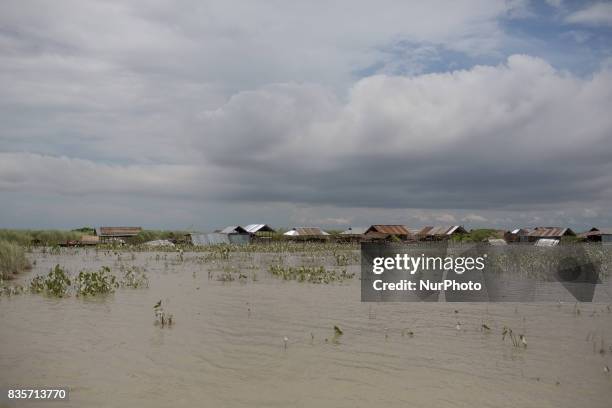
x: 198, y: 114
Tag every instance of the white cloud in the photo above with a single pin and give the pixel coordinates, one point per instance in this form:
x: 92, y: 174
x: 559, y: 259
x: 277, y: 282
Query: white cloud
x: 595, y: 14
x: 474, y: 218
x: 555, y: 3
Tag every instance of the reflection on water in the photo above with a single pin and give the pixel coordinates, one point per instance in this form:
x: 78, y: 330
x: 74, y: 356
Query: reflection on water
x: 227, y: 345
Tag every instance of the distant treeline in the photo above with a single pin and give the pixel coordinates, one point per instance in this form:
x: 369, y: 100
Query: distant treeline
x: 57, y: 237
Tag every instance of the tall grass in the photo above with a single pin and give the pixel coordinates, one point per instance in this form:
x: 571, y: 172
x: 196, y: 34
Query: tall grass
x: 12, y: 259
x: 38, y: 237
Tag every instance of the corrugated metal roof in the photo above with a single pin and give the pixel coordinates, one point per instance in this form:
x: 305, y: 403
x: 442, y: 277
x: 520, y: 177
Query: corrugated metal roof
x: 305, y: 231
x: 233, y: 229
x: 253, y: 228
x: 520, y: 231
x: 550, y: 232
x: 441, y: 230
x: 497, y: 242
x: 389, y: 229
x: 212, y: 238
x: 546, y: 242
x: 216, y: 238
x: 597, y: 232
x: 119, y: 231
x: 354, y: 231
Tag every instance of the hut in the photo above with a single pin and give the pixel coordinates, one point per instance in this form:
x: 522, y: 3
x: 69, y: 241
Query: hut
x: 517, y: 235
x: 216, y: 238
x: 306, y: 234
x: 603, y: 235
x: 233, y: 229
x: 352, y: 234
x: 89, y: 240
x: 260, y: 231
x: 550, y: 233
x: 117, y: 234
x: 236, y: 234
x: 388, y: 232
x: 442, y: 233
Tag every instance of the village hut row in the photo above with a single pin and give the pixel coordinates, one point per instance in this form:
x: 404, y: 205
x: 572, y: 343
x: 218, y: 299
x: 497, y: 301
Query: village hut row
x: 236, y: 234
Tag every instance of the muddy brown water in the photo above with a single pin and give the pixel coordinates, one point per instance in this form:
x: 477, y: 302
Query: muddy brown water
x: 226, y: 348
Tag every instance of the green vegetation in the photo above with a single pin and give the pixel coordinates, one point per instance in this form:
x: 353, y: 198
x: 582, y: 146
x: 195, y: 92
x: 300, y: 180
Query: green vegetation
x: 96, y: 283
x: 56, y: 283
x: 12, y: 260
x: 85, y: 230
x: 134, y: 277
x: 152, y: 235
x: 56, y: 237
x: 477, y: 235
x: 38, y: 237
x: 310, y: 274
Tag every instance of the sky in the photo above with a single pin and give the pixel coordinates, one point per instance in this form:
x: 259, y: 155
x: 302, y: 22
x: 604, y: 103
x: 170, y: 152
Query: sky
x: 200, y: 114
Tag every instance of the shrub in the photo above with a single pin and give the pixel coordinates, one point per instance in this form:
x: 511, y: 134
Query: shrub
x: 56, y: 283
x: 96, y: 283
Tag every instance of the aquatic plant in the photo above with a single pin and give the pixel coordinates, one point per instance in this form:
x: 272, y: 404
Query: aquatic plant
x: 517, y: 341
x: 309, y: 274
x: 96, y: 283
x: 134, y: 277
x: 56, y: 283
x: 337, y: 334
x: 407, y: 332
x: 11, y: 290
x: 162, y: 318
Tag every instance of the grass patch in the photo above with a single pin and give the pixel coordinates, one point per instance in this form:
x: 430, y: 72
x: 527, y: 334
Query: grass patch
x: 12, y: 260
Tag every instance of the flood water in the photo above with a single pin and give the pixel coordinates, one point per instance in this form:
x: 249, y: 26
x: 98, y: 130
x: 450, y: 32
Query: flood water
x: 227, y: 349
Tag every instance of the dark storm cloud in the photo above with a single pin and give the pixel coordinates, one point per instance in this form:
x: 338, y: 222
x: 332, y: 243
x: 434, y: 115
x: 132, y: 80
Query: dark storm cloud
x: 515, y: 136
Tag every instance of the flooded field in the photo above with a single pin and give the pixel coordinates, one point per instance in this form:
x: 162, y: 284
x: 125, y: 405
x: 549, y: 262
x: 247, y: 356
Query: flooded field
x: 243, y: 337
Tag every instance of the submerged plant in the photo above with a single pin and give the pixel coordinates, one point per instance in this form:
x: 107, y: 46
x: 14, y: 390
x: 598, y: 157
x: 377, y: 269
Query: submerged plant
x: 162, y: 318
x: 96, y: 283
x: 310, y: 274
x: 407, y: 332
x: 519, y: 341
x: 56, y: 283
x: 337, y: 334
x: 135, y: 278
